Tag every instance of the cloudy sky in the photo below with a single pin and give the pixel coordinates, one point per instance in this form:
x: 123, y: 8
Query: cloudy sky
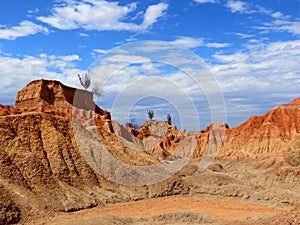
x: 250, y: 52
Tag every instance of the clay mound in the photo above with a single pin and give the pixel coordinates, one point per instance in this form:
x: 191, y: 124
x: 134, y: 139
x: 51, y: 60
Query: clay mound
x: 271, y: 136
x: 292, y: 218
x: 52, y: 95
x: 282, y: 122
x: 41, y: 165
x: 267, y: 136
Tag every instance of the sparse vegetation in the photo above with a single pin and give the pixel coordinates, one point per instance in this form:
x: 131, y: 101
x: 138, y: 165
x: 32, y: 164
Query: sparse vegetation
x: 150, y: 113
x: 169, y: 119
x: 85, y: 80
x: 294, y: 158
x: 97, y: 90
x: 133, y: 124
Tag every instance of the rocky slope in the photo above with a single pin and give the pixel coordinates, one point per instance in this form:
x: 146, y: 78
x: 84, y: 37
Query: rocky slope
x: 41, y: 165
x: 43, y: 168
x: 272, y: 135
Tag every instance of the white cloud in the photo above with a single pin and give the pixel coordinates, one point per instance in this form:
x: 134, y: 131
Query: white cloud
x: 268, y: 68
x: 25, y: 28
x: 281, y: 25
x: 263, y: 10
x: 63, y: 68
x: 262, y: 77
x: 132, y: 74
x: 233, y: 58
x: 279, y: 15
x: 127, y: 59
x: 288, y: 26
x: 217, y: 45
x: 188, y: 42
x: 238, y: 6
x: 100, y: 15
x: 206, y: 1
x: 16, y: 72
x: 83, y: 35
x: 152, y: 13
x: 243, y: 35
x: 279, y: 21
x: 100, y: 51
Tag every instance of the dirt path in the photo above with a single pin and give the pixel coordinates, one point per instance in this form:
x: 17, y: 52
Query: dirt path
x: 218, y: 209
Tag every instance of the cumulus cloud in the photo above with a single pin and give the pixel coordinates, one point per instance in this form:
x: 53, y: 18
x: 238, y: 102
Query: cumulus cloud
x: 27, y: 68
x: 25, y: 28
x: 258, y: 74
x: 268, y: 59
x: 152, y: 13
x: 100, y: 15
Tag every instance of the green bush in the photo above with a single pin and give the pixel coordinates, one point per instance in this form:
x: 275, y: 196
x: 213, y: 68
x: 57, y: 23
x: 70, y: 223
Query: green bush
x: 294, y: 158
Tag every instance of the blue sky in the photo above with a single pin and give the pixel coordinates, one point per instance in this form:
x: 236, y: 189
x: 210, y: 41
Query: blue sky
x: 251, y: 48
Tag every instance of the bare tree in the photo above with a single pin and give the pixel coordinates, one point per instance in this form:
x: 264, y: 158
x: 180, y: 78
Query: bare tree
x: 150, y: 113
x: 85, y: 80
x: 169, y: 119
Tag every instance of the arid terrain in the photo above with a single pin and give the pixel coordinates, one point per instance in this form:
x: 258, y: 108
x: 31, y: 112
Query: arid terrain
x: 50, y: 172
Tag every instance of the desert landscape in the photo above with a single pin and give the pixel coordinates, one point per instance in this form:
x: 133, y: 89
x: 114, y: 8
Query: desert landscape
x: 50, y: 176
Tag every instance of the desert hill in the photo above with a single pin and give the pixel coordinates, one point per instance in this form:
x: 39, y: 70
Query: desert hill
x: 41, y: 166
x: 43, y: 170
x: 272, y: 135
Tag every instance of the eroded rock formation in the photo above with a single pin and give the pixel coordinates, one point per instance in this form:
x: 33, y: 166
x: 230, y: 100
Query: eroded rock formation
x: 43, y: 169
x: 271, y: 135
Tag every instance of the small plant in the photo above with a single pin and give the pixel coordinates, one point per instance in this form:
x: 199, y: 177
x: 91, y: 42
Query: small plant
x: 169, y: 119
x: 133, y: 124
x: 97, y: 90
x: 85, y: 80
x: 294, y: 158
x: 150, y: 113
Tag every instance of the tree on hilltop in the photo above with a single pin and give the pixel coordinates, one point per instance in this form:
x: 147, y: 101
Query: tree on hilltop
x: 150, y: 113
x: 85, y: 80
x: 169, y: 119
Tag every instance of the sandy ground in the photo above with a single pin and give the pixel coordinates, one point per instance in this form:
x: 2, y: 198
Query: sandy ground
x: 237, y: 193
x: 221, y: 210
